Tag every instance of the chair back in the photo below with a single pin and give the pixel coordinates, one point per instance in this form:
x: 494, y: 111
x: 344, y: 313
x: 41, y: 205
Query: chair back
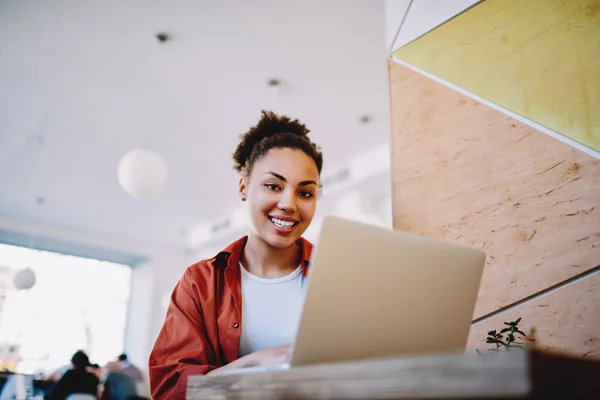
x: 81, y: 396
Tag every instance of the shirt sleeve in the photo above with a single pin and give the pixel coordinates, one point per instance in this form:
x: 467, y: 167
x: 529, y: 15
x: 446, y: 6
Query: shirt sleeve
x: 182, y: 348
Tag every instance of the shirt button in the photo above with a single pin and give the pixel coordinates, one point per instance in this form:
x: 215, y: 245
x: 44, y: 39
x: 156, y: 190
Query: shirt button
x: 236, y: 325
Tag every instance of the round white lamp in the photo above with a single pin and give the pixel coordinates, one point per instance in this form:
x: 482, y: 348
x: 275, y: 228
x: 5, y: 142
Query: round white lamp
x: 142, y: 173
x: 24, y: 279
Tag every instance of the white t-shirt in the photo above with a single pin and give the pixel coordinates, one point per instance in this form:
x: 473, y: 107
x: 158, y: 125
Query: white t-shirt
x: 271, y: 310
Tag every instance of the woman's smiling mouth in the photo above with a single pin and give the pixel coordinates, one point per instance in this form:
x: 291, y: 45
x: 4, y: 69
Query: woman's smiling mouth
x: 284, y: 223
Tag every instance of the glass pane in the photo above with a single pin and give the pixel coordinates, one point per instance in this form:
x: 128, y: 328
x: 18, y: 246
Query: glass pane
x: 76, y: 303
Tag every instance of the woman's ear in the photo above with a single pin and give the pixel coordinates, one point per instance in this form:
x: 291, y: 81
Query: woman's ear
x: 243, y: 188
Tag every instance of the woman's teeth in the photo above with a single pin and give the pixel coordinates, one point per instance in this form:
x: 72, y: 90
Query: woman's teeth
x: 282, y: 224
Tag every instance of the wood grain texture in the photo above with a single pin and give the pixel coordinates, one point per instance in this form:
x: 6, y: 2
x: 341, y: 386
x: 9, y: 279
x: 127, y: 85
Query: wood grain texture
x: 467, y: 173
x: 528, y: 374
x: 538, y: 58
x: 566, y: 320
x: 444, y: 376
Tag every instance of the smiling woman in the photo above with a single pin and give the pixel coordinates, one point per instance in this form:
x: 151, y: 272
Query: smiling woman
x: 241, y: 308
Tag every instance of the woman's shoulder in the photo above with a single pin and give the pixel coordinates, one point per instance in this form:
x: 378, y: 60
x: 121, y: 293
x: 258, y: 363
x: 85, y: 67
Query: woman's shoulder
x: 223, y: 258
x: 200, y: 270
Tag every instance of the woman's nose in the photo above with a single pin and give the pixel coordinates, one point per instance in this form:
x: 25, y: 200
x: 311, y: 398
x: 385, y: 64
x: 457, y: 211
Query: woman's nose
x: 287, y: 203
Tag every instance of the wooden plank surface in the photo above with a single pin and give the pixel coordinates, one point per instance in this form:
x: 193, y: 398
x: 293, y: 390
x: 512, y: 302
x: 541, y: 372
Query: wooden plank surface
x: 467, y: 173
x: 445, y: 376
x: 566, y: 320
x: 538, y: 58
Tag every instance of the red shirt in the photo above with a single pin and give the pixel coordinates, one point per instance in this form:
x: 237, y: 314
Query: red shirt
x: 203, y: 324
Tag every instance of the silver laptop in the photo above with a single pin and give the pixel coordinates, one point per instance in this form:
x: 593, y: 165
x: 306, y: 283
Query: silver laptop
x: 375, y: 292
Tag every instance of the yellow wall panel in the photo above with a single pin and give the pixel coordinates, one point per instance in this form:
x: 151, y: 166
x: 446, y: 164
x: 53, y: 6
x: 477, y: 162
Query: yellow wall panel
x: 538, y: 58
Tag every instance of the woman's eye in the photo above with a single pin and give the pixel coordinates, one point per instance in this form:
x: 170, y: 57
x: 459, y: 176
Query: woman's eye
x: 271, y: 186
x: 306, y: 194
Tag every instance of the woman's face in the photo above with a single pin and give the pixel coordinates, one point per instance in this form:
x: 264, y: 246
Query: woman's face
x: 282, y: 196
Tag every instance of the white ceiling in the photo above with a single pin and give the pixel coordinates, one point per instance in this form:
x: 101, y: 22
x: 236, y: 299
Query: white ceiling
x: 82, y: 82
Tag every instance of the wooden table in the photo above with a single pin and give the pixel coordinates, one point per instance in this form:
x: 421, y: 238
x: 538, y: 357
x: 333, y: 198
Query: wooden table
x: 523, y: 374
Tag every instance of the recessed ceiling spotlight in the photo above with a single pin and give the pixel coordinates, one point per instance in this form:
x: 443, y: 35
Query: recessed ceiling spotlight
x: 40, y: 201
x: 163, y: 37
x: 36, y: 139
x: 275, y: 87
x: 365, y: 119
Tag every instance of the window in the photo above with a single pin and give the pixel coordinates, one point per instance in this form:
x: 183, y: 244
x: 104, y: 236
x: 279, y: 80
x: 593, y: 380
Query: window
x: 76, y: 303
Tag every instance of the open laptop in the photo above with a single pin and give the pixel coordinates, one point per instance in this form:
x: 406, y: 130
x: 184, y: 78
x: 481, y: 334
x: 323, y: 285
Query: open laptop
x: 375, y: 292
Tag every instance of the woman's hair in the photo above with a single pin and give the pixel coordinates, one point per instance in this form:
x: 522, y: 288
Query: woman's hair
x: 80, y: 360
x: 273, y: 132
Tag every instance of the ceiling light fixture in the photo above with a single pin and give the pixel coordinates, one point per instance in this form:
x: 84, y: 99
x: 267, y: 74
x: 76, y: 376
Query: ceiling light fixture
x: 24, y: 279
x: 274, y: 97
x: 365, y: 119
x: 163, y: 37
x: 142, y: 173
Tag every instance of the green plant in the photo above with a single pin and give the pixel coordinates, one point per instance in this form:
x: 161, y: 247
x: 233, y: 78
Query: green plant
x: 507, y: 337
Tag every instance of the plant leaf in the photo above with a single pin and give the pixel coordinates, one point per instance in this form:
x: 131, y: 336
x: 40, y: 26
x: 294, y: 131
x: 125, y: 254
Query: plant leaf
x: 521, y: 333
x: 492, y: 333
x: 505, y: 330
x: 517, y: 321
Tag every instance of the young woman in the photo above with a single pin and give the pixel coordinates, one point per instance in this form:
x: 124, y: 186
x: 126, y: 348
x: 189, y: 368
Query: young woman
x: 242, y: 307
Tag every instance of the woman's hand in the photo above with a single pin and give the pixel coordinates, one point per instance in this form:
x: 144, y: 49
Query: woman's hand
x: 271, y: 356
x: 266, y: 357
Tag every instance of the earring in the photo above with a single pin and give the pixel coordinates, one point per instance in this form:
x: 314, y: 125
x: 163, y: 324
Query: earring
x: 243, y: 197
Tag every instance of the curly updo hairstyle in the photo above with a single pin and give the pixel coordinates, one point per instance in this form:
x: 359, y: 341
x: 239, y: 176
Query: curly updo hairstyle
x: 273, y: 132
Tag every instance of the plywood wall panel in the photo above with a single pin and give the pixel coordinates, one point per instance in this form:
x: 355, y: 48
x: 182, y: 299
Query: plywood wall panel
x: 465, y: 172
x: 566, y: 320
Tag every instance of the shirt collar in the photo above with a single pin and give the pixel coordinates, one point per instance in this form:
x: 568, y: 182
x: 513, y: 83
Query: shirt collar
x: 230, y: 256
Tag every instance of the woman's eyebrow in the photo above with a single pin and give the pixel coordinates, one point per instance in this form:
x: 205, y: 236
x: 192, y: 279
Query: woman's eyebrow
x: 282, y: 178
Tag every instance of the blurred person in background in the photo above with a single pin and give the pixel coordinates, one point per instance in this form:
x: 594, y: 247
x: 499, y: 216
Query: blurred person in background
x: 116, y: 384
x: 76, y: 380
x: 94, y: 369
x: 242, y: 307
x: 58, y: 373
x: 141, y: 379
x: 128, y: 368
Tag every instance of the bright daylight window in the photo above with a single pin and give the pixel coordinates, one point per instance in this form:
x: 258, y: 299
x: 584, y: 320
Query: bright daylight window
x: 75, y: 303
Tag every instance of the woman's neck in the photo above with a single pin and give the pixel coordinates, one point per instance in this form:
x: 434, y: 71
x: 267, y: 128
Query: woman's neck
x: 261, y: 259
